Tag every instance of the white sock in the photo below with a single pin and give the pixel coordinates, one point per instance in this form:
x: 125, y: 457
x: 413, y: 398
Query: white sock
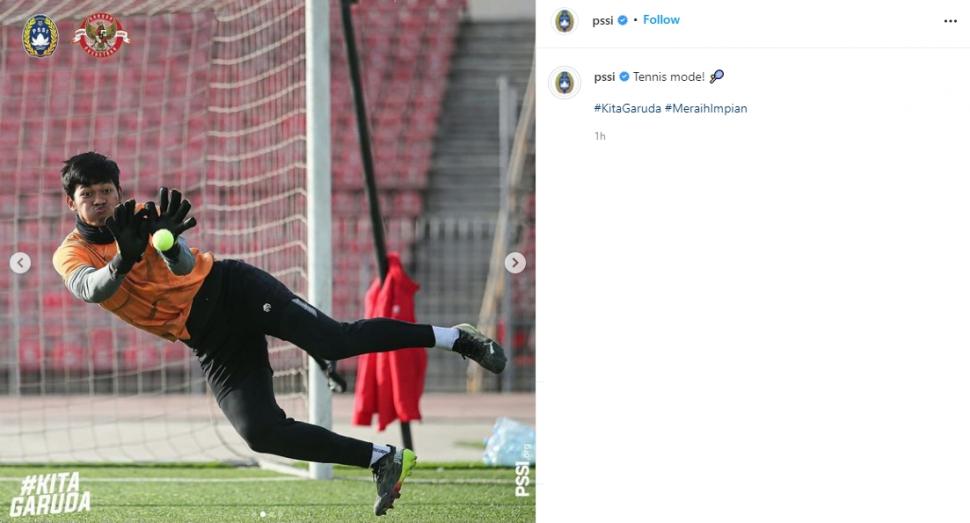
x: 378, y: 452
x: 445, y: 337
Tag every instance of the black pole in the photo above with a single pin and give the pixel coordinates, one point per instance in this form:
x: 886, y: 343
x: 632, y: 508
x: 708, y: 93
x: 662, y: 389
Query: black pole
x: 377, y: 223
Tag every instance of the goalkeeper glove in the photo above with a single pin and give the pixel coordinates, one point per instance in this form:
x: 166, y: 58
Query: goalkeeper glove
x: 172, y: 216
x: 130, y: 231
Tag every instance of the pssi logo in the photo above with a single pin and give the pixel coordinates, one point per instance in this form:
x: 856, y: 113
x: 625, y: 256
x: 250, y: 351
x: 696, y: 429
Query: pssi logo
x: 40, y: 36
x: 522, y: 479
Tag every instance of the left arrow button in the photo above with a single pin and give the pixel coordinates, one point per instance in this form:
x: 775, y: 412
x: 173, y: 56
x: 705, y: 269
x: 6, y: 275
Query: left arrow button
x: 20, y: 262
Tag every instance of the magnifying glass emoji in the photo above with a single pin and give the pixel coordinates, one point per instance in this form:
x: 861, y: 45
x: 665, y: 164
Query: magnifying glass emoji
x: 717, y: 75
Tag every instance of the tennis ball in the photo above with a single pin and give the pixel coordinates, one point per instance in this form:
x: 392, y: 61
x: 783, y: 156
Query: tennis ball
x: 163, y: 240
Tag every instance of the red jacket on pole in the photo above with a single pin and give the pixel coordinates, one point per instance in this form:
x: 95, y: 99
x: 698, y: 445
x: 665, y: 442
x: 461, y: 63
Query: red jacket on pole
x: 390, y: 383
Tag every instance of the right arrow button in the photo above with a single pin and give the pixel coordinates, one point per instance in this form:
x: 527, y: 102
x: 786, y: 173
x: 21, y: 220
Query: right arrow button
x: 515, y: 262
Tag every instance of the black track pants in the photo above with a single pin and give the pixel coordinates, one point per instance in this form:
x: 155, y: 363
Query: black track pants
x: 234, y: 310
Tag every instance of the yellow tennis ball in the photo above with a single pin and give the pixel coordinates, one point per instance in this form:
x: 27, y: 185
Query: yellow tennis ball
x: 163, y: 240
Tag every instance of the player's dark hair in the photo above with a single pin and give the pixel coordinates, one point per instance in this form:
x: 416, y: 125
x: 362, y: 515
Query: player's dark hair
x: 87, y: 169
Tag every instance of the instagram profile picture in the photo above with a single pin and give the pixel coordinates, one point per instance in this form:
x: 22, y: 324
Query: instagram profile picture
x: 564, y: 82
x: 565, y: 21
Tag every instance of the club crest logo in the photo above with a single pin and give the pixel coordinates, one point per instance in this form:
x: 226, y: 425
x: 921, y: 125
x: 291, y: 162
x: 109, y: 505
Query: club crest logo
x: 564, y: 21
x: 101, y: 35
x: 564, y: 82
x: 40, y: 36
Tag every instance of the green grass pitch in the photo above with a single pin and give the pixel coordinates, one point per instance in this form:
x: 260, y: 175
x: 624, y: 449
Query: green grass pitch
x: 171, y: 493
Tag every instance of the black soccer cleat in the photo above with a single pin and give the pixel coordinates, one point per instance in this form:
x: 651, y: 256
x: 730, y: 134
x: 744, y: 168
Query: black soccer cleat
x: 389, y: 473
x: 473, y: 344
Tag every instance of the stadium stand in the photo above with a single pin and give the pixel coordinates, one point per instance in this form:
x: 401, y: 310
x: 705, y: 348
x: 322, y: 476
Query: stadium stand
x: 199, y: 127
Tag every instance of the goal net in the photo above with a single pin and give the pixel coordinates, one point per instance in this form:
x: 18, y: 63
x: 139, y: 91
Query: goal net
x: 207, y: 97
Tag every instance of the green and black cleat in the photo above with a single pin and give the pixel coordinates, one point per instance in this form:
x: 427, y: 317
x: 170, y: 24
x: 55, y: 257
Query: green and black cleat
x: 480, y: 348
x: 389, y: 474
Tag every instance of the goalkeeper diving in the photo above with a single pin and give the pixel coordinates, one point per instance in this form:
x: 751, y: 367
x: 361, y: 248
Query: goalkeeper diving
x: 223, y: 310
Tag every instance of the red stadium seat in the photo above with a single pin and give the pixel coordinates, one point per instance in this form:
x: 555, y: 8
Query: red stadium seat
x: 66, y: 356
x: 30, y: 354
x: 143, y: 356
x: 175, y: 354
x: 57, y: 299
x: 101, y: 343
